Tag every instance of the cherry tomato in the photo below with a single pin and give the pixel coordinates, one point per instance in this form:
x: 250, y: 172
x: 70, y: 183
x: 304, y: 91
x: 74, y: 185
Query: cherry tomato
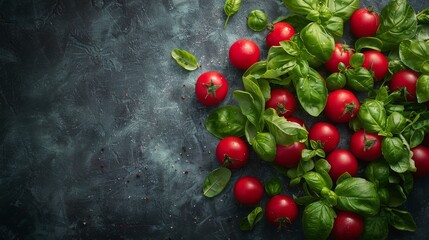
x: 342, y: 53
x: 244, y: 53
x: 248, y: 190
x: 347, y: 225
x: 342, y: 105
x: 282, y: 101
x: 211, y: 88
x: 289, y: 156
x: 325, y: 133
x: 376, y: 62
x: 366, y: 146
x: 342, y: 161
x: 282, y: 31
x: 281, y: 210
x: 405, y: 79
x: 421, y: 160
x: 364, y: 23
x: 232, y: 152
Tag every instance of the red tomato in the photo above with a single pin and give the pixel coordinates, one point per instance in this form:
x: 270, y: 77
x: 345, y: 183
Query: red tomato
x: 376, y: 62
x: 248, y: 190
x: 366, y: 146
x: 342, y: 53
x: 421, y: 160
x: 342, y: 105
x: 244, y: 53
x: 281, y: 210
x: 296, y: 120
x: 282, y: 31
x: 325, y: 133
x: 289, y: 156
x: 364, y: 23
x: 347, y: 225
x: 405, y: 79
x: 232, y: 152
x: 282, y: 101
x: 211, y: 88
x: 342, y: 161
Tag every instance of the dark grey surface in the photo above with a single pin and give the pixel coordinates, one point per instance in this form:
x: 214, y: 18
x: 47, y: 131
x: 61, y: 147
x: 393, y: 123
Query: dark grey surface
x: 101, y: 136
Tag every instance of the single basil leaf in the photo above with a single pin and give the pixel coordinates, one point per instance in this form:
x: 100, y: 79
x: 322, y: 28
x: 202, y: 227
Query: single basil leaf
x: 368, y: 43
x: 408, y: 181
x: 422, y: 122
x: 343, y: 9
x: 360, y: 79
x: 256, y: 70
x: 401, y: 220
x: 283, y: 131
x: 279, y: 62
x: 318, y: 41
x: 257, y: 20
x: 397, y: 23
x: 264, y: 145
x: 297, y: 21
x: 336, y: 81
x: 315, y: 181
x: 230, y: 8
x: 302, y: 7
x: 216, y: 182
x: 357, y: 60
x: 249, y: 222
x: 415, y: 55
x: 422, y: 32
x: 358, y: 195
x: 397, y: 196
x: 372, y: 116
x: 376, y: 227
x: 422, y: 89
x: 414, y: 136
x: 305, y: 200
x: 378, y: 173
x: 423, y: 16
x: 318, y: 220
x: 335, y: 26
x: 185, y: 59
x: 322, y: 165
x: 250, y: 131
x: 395, y: 123
x: 226, y: 121
x: 249, y: 108
x: 343, y: 177
x: 290, y: 48
x: 396, y: 154
x: 274, y: 186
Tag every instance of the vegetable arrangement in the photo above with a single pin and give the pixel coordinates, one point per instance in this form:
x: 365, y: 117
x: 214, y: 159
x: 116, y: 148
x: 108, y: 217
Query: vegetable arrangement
x: 307, y: 66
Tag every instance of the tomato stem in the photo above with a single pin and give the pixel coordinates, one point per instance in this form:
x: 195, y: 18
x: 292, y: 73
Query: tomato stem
x: 211, y: 88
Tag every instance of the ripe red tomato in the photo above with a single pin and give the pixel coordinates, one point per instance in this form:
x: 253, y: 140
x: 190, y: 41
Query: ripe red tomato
x: 282, y: 31
x: 211, y: 88
x: 282, y: 101
x: 347, y: 225
x: 376, y: 62
x: 325, y: 133
x: 342, y: 105
x: 364, y: 23
x: 405, y: 79
x: 289, y: 156
x: 421, y: 160
x: 342, y: 161
x: 232, y: 152
x: 342, y: 53
x: 281, y: 210
x: 248, y: 190
x: 366, y: 146
x: 244, y: 53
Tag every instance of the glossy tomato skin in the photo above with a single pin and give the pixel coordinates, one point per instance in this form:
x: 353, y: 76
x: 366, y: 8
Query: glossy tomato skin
x: 341, y: 161
x: 211, y: 88
x: 376, y: 62
x: 282, y: 101
x: 281, y: 210
x: 364, y: 23
x: 325, y: 133
x: 366, y: 146
x: 421, y: 160
x: 232, y: 152
x: 347, y: 225
x: 289, y: 156
x: 248, y: 191
x: 342, y: 53
x: 282, y: 31
x: 342, y: 105
x: 244, y: 53
x: 405, y: 79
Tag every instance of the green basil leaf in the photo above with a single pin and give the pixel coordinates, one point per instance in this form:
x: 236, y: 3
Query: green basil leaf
x: 297, y: 21
x: 422, y: 89
x: 256, y: 70
x: 318, y: 220
x: 422, y: 32
x: 226, y: 121
x: 305, y: 200
x: 274, y: 186
x: 414, y: 136
x: 372, y: 116
x: 422, y: 122
x: 185, y: 59
x: 401, y: 220
x: 279, y: 62
x: 322, y: 165
x: 358, y: 195
x: 368, y: 43
x: 283, y: 131
x: 408, y: 181
x: 257, y: 20
x: 415, y: 55
x: 335, y: 26
x: 250, y: 131
x: 230, y: 8
x: 397, y: 196
x: 249, y: 222
x: 423, y: 16
x: 249, y: 108
x: 396, y: 154
x: 376, y: 227
x: 395, y: 123
x: 357, y: 60
x: 343, y: 9
x: 290, y: 48
x: 397, y: 23
x: 216, y: 182
x: 302, y: 7
x: 360, y: 79
x: 264, y: 145
x: 318, y: 41
x: 378, y: 173
x: 336, y: 81
x: 343, y: 177
x: 315, y: 181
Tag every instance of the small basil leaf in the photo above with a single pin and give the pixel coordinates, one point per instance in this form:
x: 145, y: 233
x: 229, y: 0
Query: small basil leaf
x: 395, y: 123
x: 396, y: 154
x: 290, y: 48
x: 249, y: 107
x: 376, y: 227
x: 343, y: 9
x: 256, y: 70
x: 249, y: 222
x: 397, y: 195
x: 318, y: 41
x: 216, y: 182
x: 422, y: 88
x: 297, y: 21
x: 274, y: 186
x: 401, y: 220
x: 230, y: 8
x: 284, y: 132
x: 372, y: 116
x: 357, y: 60
x: 185, y: 59
x: 368, y: 43
x: 408, y: 181
x: 257, y: 20
x: 318, y: 220
x: 343, y: 177
x: 360, y: 79
x: 226, y: 121
x: 415, y: 55
x: 336, y: 81
x: 315, y: 181
x: 264, y: 145
x: 305, y: 200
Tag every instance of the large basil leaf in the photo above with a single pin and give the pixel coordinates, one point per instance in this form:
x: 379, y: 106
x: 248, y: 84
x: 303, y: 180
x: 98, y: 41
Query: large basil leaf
x: 311, y: 92
x: 343, y: 9
x: 216, y: 182
x: 397, y: 22
x: 318, y: 41
x: 358, y: 195
x: 360, y: 79
x: 372, y: 116
x: 335, y: 26
x: 376, y: 227
x: 283, y: 131
x: 185, y: 59
x: 422, y: 88
x: 226, y: 121
x: 249, y: 108
x: 401, y: 220
x: 415, y: 55
x: 318, y: 220
x: 396, y: 154
x: 395, y: 123
x: 301, y: 6
x: 264, y: 145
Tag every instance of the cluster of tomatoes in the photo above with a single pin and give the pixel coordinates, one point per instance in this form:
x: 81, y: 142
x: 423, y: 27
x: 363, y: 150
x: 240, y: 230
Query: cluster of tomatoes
x: 342, y: 105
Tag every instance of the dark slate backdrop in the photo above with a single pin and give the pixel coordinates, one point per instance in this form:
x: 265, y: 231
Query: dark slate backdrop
x: 101, y: 136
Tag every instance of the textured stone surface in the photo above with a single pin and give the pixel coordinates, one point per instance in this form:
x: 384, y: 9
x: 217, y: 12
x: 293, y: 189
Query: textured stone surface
x: 101, y: 136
